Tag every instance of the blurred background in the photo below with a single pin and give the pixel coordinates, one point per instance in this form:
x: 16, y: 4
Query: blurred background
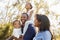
x: 12, y: 9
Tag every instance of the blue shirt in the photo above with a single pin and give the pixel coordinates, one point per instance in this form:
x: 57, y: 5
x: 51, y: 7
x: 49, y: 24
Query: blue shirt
x: 45, y: 35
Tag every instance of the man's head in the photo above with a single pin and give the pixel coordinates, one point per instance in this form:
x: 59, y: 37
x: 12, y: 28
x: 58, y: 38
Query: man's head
x: 24, y: 18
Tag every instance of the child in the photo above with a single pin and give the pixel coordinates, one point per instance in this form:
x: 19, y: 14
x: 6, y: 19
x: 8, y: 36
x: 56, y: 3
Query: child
x: 29, y: 10
x: 16, y: 31
x: 17, y: 28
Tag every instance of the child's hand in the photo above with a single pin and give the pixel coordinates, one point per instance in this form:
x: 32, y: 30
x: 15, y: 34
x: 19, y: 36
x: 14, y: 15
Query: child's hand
x: 21, y: 37
x: 15, y: 38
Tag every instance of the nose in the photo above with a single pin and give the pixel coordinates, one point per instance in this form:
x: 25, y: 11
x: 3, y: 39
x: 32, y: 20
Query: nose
x: 22, y: 18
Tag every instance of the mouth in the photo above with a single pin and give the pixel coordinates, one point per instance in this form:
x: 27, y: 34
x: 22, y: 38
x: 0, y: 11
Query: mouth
x: 23, y: 21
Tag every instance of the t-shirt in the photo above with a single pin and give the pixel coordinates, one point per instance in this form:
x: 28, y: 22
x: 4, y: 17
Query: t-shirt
x: 16, y: 32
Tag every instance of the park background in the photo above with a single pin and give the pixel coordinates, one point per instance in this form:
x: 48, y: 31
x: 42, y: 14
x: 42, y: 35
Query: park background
x: 12, y: 9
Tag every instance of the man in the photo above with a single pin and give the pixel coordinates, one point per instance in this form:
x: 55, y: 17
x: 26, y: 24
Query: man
x: 30, y: 32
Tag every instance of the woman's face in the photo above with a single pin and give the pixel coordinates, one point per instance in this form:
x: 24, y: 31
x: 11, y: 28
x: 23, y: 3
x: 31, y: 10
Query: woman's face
x: 36, y: 22
x: 24, y: 18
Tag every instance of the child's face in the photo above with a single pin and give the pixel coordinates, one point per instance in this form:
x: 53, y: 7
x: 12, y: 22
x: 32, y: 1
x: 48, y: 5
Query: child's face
x: 27, y: 6
x: 16, y: 24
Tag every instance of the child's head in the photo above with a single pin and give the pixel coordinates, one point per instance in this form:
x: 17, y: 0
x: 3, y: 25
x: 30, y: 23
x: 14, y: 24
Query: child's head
x: 28, y: 6
x: 17, y: 24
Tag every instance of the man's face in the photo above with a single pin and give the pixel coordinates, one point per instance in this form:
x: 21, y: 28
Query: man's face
x: 24, y: 18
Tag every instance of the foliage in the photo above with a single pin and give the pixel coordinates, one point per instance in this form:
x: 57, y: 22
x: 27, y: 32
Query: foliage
x: 12, y: 9
x: 5, y: 31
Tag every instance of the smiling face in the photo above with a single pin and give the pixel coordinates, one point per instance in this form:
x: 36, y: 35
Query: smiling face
x: 24, y: 18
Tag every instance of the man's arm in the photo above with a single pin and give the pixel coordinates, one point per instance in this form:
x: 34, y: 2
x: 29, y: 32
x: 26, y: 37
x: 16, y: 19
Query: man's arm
x: 30, y: 33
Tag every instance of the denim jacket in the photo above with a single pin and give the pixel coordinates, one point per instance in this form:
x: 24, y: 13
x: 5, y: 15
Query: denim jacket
x: 45, y: 35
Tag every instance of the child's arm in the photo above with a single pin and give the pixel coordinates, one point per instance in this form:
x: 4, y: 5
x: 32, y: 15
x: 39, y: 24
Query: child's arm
x: 11, y: 38
x: 21, y: 37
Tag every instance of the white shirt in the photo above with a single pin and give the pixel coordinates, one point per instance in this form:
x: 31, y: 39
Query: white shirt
x: 16, y: 32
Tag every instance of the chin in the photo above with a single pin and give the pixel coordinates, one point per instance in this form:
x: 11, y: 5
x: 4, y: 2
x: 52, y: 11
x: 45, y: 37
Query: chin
x: 23, y: 22
x: 35, y: 25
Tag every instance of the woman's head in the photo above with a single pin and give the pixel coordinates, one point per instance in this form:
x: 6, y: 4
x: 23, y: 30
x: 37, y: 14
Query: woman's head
x: 42, y: 22
x: 28, y: 6
x: 16, y: 24
x: 24, y: 17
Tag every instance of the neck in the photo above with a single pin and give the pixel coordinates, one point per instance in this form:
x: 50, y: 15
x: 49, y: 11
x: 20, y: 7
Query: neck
x: 38, y: 29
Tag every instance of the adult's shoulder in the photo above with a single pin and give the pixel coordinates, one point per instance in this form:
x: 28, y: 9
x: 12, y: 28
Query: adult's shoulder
x: 39, y: 36
x: 47, y: 35
x: 31, y: 26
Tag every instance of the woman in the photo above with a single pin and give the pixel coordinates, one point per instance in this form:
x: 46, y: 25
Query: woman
x: 43, y: 24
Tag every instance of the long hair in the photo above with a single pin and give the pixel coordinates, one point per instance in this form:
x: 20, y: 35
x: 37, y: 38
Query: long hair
x: 45, y: 23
